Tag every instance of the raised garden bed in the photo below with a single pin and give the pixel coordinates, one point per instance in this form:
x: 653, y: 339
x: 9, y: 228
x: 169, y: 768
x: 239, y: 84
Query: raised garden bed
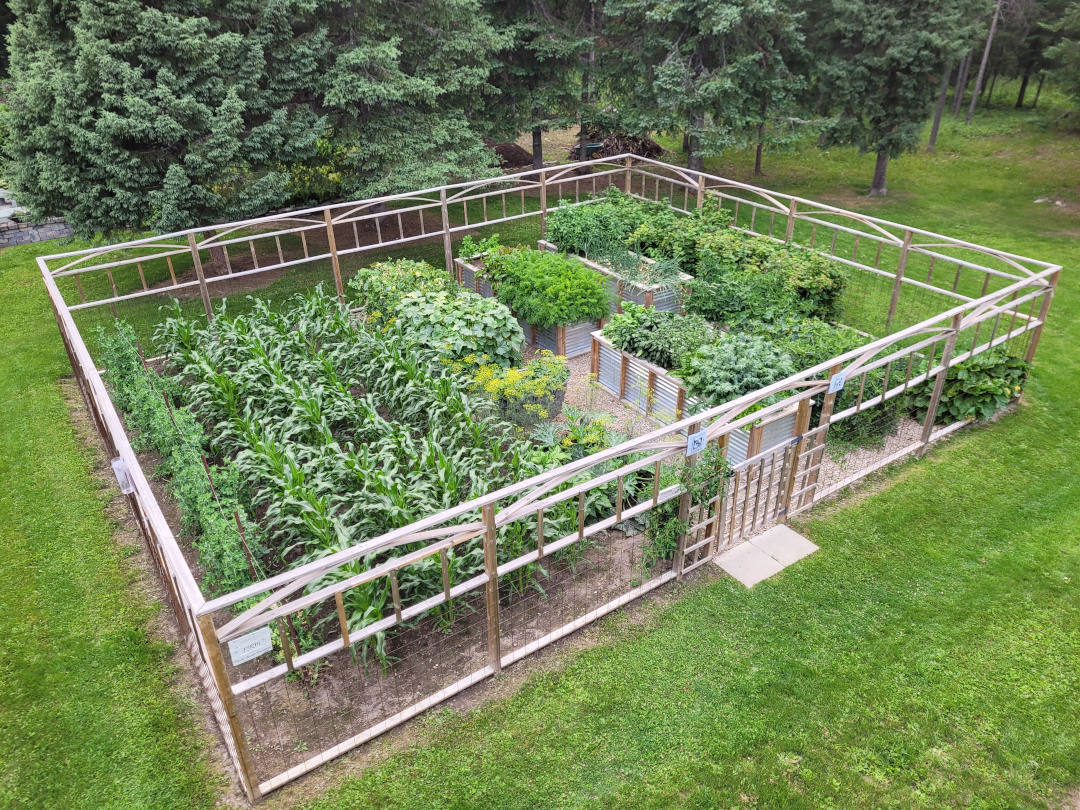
x: 656, y: 393
x: 571, y: 340
x: 663, y: 297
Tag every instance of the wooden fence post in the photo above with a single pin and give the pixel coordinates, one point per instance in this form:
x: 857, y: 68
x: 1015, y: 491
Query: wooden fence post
x: 334, y: 257
x: 901, y: 268
x: 448, y: 248
x: 827, y: 406
x: 543, y: 205
x: 790, y: 231
x: 1044, y: 309
x: 491, y: 567
x: 249, y: 778
x: 939, y: 384
x: 202, y: 278
x: 684, y: 509
x: 700, y: 190
x: 626, y: 173
x: 802, y: 422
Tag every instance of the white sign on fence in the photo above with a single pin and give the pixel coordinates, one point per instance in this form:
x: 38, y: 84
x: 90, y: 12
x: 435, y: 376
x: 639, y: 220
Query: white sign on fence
x: 836, y: 383
x: 254, y: 644
x: 695, y: 442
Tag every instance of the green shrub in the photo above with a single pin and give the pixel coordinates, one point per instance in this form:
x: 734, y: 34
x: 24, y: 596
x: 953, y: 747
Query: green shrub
x: 547, y: 289
x: 380, y: 288
x: 975, y: 389
x: 525, y: 395
x: 733, y: 366
x: 661, y: 338
x: 460, y: 324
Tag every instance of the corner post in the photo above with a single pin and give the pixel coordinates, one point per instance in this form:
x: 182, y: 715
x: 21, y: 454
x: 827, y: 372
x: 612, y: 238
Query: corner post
x: 901, y: 268
x: 700, y: 190
x: 628, y: 161
x: 216, y: 663
x: 448, y: 248
x: 334, y: 257
x: 491, y: 568
x: 202, y: 278
x: 939, y: 384
x: 1044, y: 309
x: 790, y: 231
x: 827, y: 406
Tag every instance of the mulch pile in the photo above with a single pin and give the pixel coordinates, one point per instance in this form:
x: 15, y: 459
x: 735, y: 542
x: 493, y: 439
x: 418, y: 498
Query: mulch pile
x: 619, y: 143
x: 511, y: 155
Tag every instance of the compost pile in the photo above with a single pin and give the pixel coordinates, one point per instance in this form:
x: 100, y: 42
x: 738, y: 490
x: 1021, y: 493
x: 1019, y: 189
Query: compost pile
x: 511, y: 156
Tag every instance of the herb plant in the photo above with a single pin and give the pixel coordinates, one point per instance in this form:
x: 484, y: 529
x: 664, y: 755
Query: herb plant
x: 547, y: 289
x: 526, y: 395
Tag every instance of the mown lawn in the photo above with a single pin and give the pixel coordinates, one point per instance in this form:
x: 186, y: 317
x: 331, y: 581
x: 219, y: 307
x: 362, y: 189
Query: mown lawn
x: 87, y: 719
x: 926, y: 656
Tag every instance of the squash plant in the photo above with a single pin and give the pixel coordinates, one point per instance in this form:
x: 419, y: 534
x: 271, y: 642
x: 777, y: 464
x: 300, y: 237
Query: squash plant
x: 975, y: 389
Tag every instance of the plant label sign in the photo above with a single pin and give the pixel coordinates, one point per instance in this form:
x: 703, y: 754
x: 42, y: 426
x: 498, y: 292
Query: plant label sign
x: 695, y: 442
x: 836, y: 384
x: 251, y: 646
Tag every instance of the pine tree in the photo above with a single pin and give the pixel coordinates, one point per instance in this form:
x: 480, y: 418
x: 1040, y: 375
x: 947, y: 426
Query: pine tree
x: 880, y: 69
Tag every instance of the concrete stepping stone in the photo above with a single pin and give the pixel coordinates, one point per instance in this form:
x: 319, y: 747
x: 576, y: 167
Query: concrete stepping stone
x: 767, y: 554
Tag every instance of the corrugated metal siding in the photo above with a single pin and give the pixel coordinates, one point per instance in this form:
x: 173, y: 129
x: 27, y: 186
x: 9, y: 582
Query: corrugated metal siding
x: 579, y: 338
x: 545, y: 338
x: 609, y: 369
x: 738, y: 444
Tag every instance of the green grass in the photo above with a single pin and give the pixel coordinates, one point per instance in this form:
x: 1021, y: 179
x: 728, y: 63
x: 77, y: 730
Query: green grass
x: 87, y: 717
x: 926, y: 656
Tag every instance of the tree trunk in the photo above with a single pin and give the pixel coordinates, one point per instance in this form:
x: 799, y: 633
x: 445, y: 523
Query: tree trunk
x: 878, y: 188
x: 961, y: 84
x: 538, y: 148
x: 686, y: 141
x: 1023, y: 90
x: 695, y: 162
x: 985, y: 59
x: 942, y: 93
x: 1038, y: 91
x: 757, y: 160
x: 219, y: 264
x: 760, y: 136
x: 990, y: 90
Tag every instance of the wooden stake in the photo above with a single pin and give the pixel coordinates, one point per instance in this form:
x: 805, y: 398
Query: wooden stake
x: 243, y: 542
x: 208, y: 478
x: 342, y: 619
x: 491, y: 567
x: 543, y: 204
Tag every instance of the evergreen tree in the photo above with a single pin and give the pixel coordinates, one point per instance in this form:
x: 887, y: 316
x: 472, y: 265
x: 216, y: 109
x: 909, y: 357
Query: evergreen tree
x: 132, y: 114
x: 880, y: 69
x: 717, y: 70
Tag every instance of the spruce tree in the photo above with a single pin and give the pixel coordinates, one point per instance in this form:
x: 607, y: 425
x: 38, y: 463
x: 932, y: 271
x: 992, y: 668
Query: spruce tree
x: 127, y: 114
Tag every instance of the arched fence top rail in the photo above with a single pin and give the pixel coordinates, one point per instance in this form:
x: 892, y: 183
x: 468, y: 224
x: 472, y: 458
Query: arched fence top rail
x: 963, y: 307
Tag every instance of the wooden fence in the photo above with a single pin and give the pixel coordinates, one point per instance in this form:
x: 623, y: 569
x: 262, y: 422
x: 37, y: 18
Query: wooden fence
x: 933, y: 300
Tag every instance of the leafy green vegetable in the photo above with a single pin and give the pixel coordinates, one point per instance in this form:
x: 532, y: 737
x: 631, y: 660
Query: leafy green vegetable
x: 661, y: 338
x: 974, y: 389
x: 380, y: 288
x: 461, y: 323
x: 735, y: 365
